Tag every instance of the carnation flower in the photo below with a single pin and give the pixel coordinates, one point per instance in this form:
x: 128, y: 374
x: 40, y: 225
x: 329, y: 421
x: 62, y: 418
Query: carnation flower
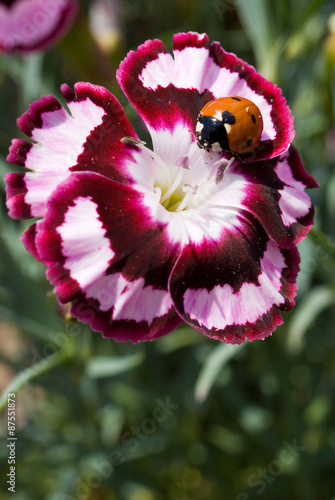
x: 29, y: 25
x: 140, y: 238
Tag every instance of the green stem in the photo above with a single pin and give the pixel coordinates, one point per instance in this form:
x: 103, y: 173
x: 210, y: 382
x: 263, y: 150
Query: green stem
x: 31, y: 78
x: 42, y: 366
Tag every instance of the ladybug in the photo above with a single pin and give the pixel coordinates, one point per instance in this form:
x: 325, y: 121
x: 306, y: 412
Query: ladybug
x: 232, y: 124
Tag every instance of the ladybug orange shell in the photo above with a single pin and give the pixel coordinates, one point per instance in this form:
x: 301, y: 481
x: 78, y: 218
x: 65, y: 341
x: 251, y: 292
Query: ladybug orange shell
x: 229, y: 124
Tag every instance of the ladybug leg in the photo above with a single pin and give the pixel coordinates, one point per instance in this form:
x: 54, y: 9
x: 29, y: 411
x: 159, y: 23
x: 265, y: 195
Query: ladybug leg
x: 193, y: 133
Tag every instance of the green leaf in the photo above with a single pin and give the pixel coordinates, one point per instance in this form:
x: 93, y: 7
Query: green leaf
x: 42, y: 366
x: 318, y: 299
x: 324, y: 248
x: 214, y: 363
x: 255, y: 18
x: 104, y: 366
x: 184, y: 336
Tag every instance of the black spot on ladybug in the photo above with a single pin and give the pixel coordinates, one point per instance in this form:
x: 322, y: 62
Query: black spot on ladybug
x: 249, y: 142
x: 236, y: 99
x: 228, y: 117
x: 253, y: 118
x: 212, y: 131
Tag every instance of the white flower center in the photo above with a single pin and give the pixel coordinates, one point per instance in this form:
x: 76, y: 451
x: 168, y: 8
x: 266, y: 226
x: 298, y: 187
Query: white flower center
x: 173, y: 184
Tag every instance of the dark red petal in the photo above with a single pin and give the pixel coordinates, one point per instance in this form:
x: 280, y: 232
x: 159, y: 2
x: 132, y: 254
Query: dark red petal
x: 16, y: 192
x: 18, y: 152
x: 105, y: 252
x: 87, y: 139
x: 234, y: 287
x: 104, y: 152
x: 32, y: 119
x: 275, y: 195
x: 167, y: 91
x: 28, y: 238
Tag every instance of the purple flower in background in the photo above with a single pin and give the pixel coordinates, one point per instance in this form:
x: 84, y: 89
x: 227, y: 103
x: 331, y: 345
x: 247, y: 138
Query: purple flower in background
x: 29, y: 25
x: 140, y: 239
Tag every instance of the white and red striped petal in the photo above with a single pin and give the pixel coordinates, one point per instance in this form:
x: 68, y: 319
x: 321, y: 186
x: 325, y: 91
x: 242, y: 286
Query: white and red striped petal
x: 106, y: 254
x: 30, y: 25
x: 87, y: 138
x: 198, y: 72
x: 234, y: 287
x: 274, y: 192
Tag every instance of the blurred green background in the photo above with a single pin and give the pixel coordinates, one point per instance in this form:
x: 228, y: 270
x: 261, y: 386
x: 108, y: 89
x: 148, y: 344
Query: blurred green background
x: 184, y: 417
